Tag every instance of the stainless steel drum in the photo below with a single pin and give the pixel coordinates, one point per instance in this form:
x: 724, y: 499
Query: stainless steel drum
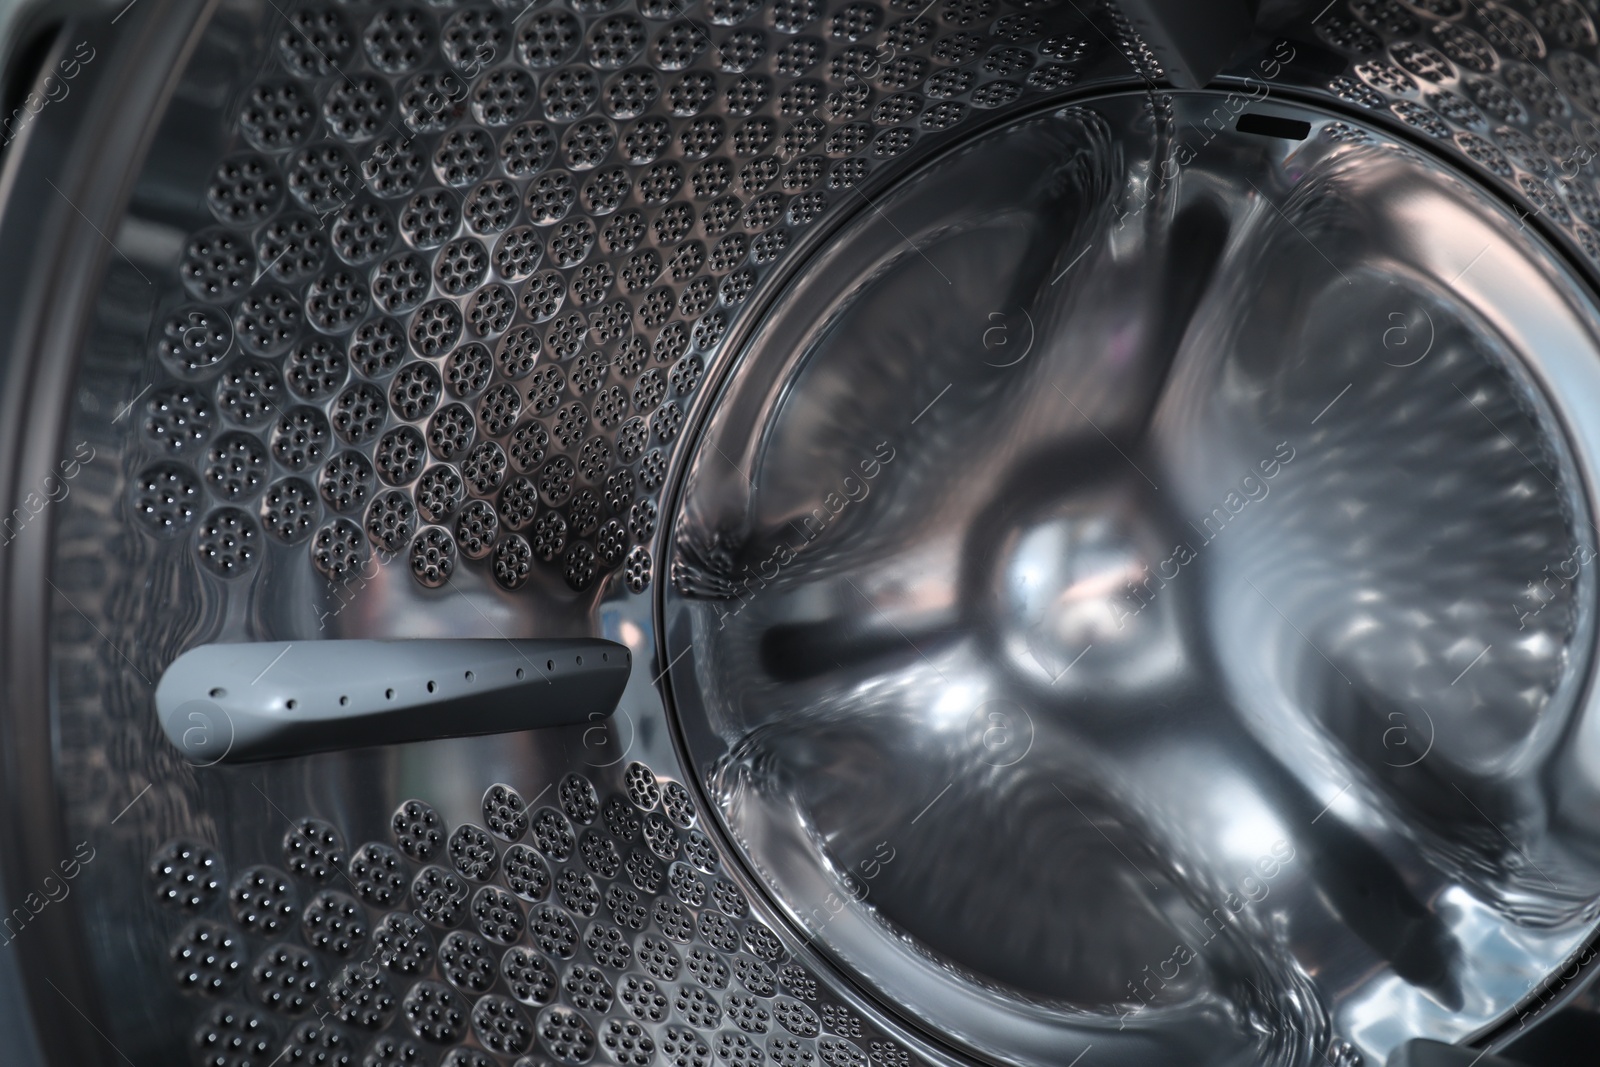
x: 1105, y: 565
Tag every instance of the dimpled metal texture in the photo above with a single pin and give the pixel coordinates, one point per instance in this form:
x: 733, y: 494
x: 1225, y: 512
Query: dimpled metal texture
x: 483, y: 986
x: 422, y: 229
x: 521, y: 231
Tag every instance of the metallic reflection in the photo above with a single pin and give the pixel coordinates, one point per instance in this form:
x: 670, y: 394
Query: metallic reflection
x: 1198, y: 666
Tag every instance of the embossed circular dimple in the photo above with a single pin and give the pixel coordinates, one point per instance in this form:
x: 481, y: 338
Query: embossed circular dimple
x: 659, y: 836
x: 698, y: 1008
x: 275, y: 115
x: 484, y: 468
x: 697, y: 847
x: 607, y: 946
x: 338, y: 548
x: 787, y: 1052
x: 620, y: 818
x: 439, y: 492
x: 505, y: 812
x: 729, y: 898
x: 402, y: 943
x: 476, y: 529
x: 357, y: 108
x: 525, y: 873
x: 627, y: 1042
x: 473, y: 853
x: 361, y: 996
x: 673, y: 919
x: 719, y: 931
x: 289, y: 510
x: 519, y: 503
x: 235, y: 466
x: 378, y: 875
x: 500, y: 1026
x: 473, y: 37
x: 497, y: 915
x: 461, y: 266
x: 587, y: 989
x: 685, y: 1048
x: 333, y: 922
x: 643, y: 872
x: 428, y: 219
x: 636, y: 569
x: 625, y: 907
x: 336, y: 301
x: 748, y: 1013
x: 468, y: 1057
x: 594, y: 459
x: 217, y: 265
x: 315, y: 368
x: 399, y: 39
x: 796, y: 1017
x: 300, y: 438
x: 316, y: 1042
x: 552, y: 834
x: 391, y: 521
x: 244, y: 189
x: 358, y: 413
x: 641, y: 785
x: 434, y: 1012
x: 552, y: 931
x: 165, y: 498
x: 313, y: 850
x: 761, y: 942
x: 345, y: 483
x: 468, y: 369
x: 889, y: 1054
x: 755, y: 976
x: 415, y: 391
x: 206, y: 957
x: 837, y: 1019
x: 193, y: 338
x: 231, y: 1035
x: 390, y: 1051
x: 600, y: 854
x: 362, y: 232
x: 500, y: 97
x: 659, y: 958
x: 228, y: 542
x: 577, y: 891
x: 467, y: 961
x: 433, y: 557
x: 512, y: 561
x: 797, y: 980
x: 528, y: 976
x: 177, y: 419
x: 284, y: 978
x: 321, y: 178
x: 685, y: 885
x: 450, y: 431
x: 549, y: 535
x: 376, y: 347
x: 400, y: 282
x: 565, y: 1036
x: 435, y: 329
x: 439, y: 896
x: 393, y: 170
x: 840, y: 1052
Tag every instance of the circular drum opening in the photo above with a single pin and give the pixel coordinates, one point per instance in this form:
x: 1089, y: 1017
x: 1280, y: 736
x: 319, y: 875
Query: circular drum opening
x: 1135, y: 589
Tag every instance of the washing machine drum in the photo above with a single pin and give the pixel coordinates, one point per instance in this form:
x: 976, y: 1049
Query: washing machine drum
x: 770, y: 531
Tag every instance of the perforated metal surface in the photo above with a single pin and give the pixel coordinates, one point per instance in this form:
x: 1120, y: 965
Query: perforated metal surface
x: 438, y: 292
x: 534, y: 936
